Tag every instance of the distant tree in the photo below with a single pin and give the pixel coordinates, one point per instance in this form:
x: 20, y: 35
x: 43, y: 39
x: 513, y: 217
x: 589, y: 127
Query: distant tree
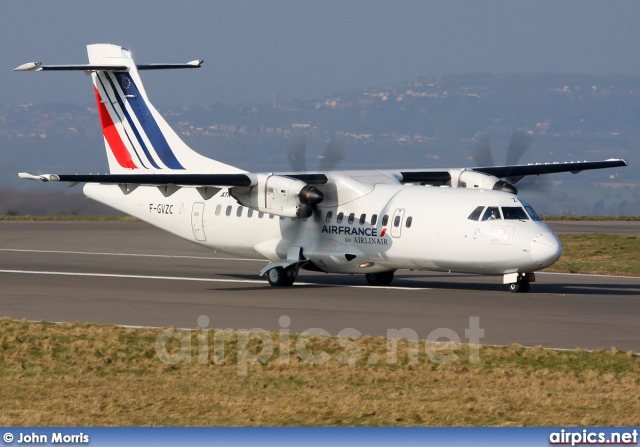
x: 598, y: 208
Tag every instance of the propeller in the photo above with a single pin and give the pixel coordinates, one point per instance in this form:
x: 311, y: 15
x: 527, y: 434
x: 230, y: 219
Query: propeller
x: 297, y: 153
x: 333, y: 154
x: 311, y: 196
x: 518, y: 145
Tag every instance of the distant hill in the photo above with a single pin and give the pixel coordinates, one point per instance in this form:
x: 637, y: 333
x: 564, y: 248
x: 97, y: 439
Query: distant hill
x: 424, y: 122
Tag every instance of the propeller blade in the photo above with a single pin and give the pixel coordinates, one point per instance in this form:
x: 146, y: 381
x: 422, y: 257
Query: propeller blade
x: 518, y: 145
x: 540, y: 185
x: 297, y: 153
x: 482, y: 153
x: 333, y: 154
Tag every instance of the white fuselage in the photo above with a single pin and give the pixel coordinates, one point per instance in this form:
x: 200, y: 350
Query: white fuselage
x: 427, y: 228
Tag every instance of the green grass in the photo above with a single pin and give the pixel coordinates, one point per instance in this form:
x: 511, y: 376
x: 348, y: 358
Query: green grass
x: 70, y: 218
x: 605, y: 254
x: 592, y: 218
x: 92, y: 375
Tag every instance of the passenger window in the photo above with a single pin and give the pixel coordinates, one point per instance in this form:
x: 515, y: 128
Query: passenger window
x: 340, y: 217
x: 229, y: 208
x: 363, y: 218
x: 409, y: 221
x: 492, y: 213
x: 352, y: 217
x: 532, y: 214
x: 260, y: 214
x: 218, y: 209
x: 374, y: 219
x: 317, y: 216
x: 396, y: 221
x: 239, y: 212
x: 250, y: 212
x: 475, y: 215
x: 329, y: 216
x: 514, y: 213
x: 385, y: 220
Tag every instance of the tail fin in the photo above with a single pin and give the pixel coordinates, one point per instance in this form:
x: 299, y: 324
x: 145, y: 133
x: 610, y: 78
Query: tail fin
x: 136, y: 136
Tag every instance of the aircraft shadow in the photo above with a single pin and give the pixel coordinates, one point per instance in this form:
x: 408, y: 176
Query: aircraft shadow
x: 411, y: 281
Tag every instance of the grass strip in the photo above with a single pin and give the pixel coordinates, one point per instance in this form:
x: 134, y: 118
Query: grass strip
x: 595, y: 253
x: 592, y: 218
x: 71, y: 218
x: 91, y: 375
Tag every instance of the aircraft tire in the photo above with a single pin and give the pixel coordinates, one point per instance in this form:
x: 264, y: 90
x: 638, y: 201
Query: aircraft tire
x: 519, y: 287
x: 380, y: 279
x: 279, y: 277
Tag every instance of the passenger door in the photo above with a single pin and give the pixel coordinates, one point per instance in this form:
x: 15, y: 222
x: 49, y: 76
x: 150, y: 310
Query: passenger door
x: 197, y: 214
x: 396, y: 222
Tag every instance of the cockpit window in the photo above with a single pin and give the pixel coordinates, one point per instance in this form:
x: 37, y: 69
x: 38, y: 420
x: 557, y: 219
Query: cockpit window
x: 475, y: 215
x: 492, y: 213
x: 514, y: 213
x: 532, y: 214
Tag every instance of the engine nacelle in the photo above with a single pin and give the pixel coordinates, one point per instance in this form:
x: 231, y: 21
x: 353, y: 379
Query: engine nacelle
x: 479, y: 180
x: 279, y: 195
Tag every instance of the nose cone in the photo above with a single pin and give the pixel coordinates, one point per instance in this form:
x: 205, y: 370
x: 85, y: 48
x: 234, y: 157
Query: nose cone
x: 545, y: 249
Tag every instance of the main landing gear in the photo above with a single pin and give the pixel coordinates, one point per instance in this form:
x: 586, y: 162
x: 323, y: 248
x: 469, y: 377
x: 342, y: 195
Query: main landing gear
x: 522, y: 282
x: 380, y: 279
x: 282, y: 277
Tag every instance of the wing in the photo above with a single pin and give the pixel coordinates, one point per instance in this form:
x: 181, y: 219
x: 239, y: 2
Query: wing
x: 511, y: 173
x: 297, y: 194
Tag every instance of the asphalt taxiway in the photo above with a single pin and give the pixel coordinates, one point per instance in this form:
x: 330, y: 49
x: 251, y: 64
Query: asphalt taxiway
x: 133, y: 274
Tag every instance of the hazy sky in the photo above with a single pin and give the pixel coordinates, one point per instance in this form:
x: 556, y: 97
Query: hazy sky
x: 306, y: 49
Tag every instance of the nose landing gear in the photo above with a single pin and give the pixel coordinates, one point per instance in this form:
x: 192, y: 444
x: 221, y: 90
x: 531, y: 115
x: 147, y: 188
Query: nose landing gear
x: 519, y: 287
x: 519, y: 282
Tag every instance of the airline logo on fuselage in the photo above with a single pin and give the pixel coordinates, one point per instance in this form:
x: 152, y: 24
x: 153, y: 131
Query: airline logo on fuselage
x: 365, y: 235
x: 352, y: 231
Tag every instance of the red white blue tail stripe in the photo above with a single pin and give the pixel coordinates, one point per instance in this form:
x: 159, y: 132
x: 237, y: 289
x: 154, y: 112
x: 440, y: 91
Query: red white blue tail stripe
x: 136, y: 136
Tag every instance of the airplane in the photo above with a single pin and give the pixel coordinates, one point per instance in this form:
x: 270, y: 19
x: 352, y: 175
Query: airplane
x: 371, y: 222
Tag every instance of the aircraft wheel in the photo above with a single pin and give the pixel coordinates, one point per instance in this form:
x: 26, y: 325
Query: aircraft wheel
x: 279, y: 277
x: 519, y: 287
x: 379, y: 279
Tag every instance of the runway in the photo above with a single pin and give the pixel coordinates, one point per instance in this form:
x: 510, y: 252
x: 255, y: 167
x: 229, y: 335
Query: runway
x: 133, y: 274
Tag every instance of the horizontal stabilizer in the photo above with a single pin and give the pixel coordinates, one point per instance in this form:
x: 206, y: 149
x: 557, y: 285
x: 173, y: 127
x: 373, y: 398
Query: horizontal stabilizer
x: 148, y: 179
x: 37, y: 66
